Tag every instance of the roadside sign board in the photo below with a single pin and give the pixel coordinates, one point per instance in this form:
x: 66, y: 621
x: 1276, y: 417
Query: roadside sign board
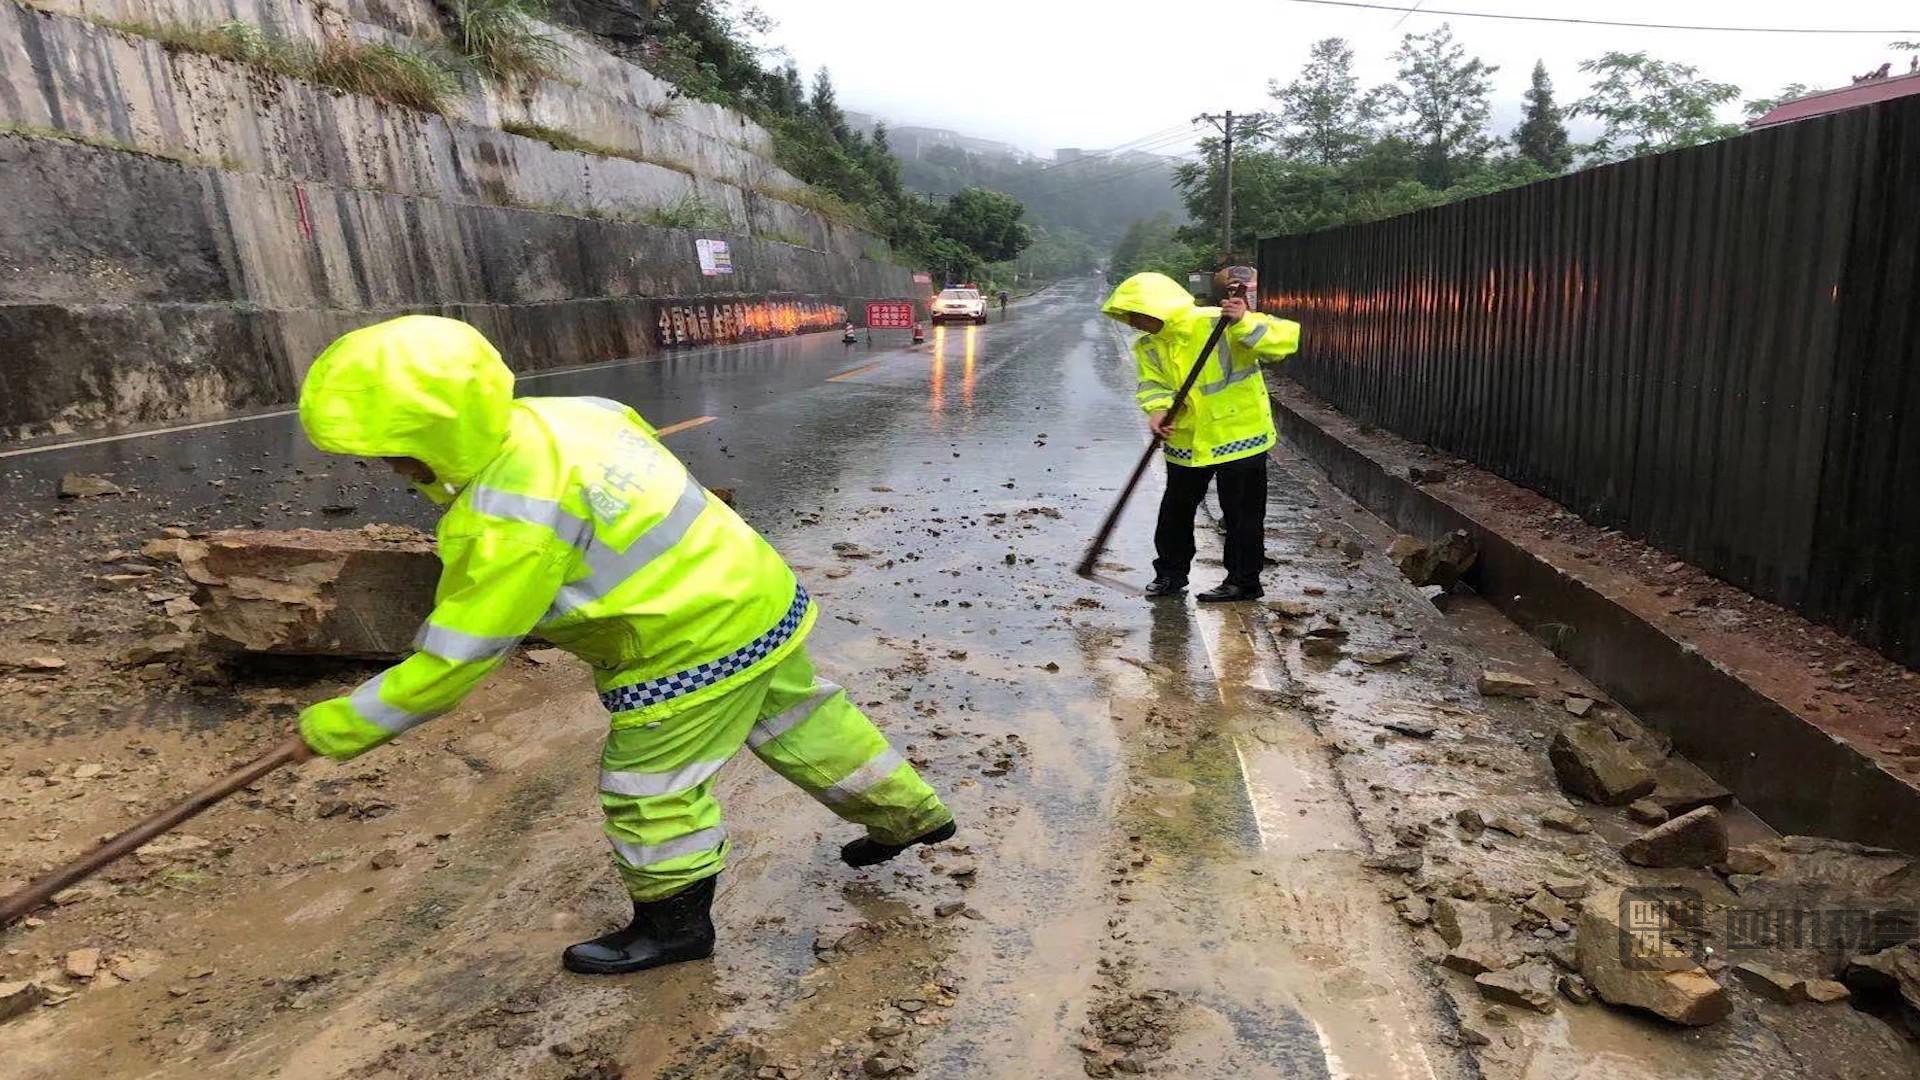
x: 922, y: 277
x: 714, y: 257
x: 890, y: 315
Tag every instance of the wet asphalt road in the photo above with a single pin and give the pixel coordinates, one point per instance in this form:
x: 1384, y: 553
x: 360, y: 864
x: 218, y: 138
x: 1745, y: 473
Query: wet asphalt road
x: 973, y: 468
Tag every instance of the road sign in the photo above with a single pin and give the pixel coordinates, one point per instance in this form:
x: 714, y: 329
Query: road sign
x: 890, y: 315
x: 714, y: 257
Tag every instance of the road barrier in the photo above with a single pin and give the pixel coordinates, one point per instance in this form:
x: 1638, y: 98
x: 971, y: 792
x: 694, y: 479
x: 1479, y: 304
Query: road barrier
x: 1716, y: 349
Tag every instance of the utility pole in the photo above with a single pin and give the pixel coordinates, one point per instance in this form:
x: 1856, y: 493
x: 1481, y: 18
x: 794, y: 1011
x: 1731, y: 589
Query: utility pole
x: 1224, y: 124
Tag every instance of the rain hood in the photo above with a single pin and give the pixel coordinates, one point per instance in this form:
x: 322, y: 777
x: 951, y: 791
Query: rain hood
x: 418, y: 386
x: 1156, y: 295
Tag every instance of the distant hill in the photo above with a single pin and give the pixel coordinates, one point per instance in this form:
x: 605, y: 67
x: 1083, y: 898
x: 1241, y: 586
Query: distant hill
x: 1088, y: 191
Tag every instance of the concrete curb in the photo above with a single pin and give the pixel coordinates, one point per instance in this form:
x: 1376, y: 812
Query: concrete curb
x: 1782, y: 765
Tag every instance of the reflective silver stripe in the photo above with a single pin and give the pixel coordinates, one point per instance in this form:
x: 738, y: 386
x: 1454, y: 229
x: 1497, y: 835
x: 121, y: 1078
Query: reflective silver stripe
x: 365, y: 700
x: 1153, y: 353
x: 534, y: 510
x: 1233, y: 376
x: 640, y: 855
x: 768, y: 730
x: 1150, y: 387
x: 864, y: 777
x: 450, y: 644
x: 645, y: 784
x: 602, y: 403
x: 609, y: 569
x: 1254, y: 335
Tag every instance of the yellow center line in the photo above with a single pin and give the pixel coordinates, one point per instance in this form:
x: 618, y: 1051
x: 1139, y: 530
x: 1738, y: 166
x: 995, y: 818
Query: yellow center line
x: 851, y: 372
x: 675, y: 429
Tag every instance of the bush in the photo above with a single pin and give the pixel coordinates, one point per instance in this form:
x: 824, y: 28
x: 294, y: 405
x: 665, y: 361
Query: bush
x: 503, y: 38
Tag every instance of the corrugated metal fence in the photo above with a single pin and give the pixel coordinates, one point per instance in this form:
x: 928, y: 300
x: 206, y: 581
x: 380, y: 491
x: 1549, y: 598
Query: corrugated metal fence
x: 1716, y: 349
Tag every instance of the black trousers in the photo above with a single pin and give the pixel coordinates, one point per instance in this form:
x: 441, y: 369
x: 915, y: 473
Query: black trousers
x: 1242, y: 484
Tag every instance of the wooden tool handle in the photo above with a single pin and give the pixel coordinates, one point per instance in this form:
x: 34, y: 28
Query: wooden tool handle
x: 31, y: 897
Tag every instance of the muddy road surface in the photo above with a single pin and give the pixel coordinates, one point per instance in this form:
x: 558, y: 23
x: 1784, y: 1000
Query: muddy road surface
x: 1167, y: 814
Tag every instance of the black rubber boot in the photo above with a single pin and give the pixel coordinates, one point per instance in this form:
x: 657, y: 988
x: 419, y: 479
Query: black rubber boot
x: 1227, y: 592
x: 1166, y: 587
x: 668, y: 931
x: 867, y: 851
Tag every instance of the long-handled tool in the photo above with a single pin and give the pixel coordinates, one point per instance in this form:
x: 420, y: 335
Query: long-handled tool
x: 31, y: 897
x: 1100, y: 538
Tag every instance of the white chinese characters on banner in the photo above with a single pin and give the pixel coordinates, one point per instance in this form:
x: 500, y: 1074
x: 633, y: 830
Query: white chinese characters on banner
x: 714, y: 257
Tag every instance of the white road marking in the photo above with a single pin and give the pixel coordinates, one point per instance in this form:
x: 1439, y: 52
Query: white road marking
x: 97, y: 440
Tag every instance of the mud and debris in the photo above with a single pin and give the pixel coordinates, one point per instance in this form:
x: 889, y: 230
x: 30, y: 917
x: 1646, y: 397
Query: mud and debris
x: 1189, y: 847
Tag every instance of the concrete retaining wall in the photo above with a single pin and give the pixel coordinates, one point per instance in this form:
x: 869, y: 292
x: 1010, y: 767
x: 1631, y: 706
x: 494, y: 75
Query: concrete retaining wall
x: 138, y: 290
x: 182, y: 233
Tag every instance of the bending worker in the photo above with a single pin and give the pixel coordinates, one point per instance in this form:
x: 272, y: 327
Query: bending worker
x: 567, y: 518
x: 1222, y: 431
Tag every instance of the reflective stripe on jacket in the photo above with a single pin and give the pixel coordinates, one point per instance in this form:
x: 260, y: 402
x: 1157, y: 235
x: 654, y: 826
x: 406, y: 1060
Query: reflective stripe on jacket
x: 1227, y: 415
x: 564, y: 517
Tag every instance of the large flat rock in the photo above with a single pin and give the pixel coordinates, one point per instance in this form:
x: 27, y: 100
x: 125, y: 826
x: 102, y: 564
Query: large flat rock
x: 345, y: 592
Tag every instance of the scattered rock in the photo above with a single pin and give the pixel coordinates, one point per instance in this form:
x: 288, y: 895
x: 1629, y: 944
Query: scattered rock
x: 1383, y: 658
x: 1824, y: 991
x: 883, y: 1065
x: 1547, y: 907
x: 1745, y: 860
x: 1560, y: 819
x: 1594, y: 765
x: 1657, y: 977
x: 1411, y: 727
x: 1698, y: 838
x: 1770, y: 983
x: 1575, y: 989
x: 1578, y: 706
x: 1566, y: 888
x: 30, y: 662
x: 1892, y: 976
x: 886, y: 1031
x: 19, y: 997
x: 84, y: 486
x: 164, y: 549
x: 1681, y: 787
x: 1530, y: 986
x: 548, y: 657
x: 158, y: 648
x: 1439, y: 563
x: 950, y: 908
x: 1471, y: 821
x: 1422, y: 474
x: 1400, y: 862
x: 1507, y: 684
x: 82, y: 963
x: 1475, y: 959
x: 384, y: 859
x: 1647, y: 812
x: 1325, y: 648
x: 1291, y: 609
x: 1508, y: 824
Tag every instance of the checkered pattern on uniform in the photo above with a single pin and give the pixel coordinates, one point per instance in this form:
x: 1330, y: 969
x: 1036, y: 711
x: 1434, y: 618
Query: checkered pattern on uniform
x: 1174, y: 453
x: 1240, y: 444
x: 667, y: 687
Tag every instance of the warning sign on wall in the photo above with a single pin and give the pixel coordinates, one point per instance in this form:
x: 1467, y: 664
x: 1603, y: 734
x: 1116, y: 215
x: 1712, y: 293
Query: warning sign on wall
x: 714, y: 257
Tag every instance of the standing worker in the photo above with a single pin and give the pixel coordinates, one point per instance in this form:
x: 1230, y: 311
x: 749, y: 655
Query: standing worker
x: 1222, y: 431
x: 566, y: 517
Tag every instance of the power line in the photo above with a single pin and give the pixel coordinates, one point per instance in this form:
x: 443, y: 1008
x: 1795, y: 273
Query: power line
x: 1177, y: 131
x: 1599, y: 22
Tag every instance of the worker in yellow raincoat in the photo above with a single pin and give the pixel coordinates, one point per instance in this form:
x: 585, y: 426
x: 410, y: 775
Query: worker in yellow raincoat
x: 1222, y: 432
x: 566, y: 518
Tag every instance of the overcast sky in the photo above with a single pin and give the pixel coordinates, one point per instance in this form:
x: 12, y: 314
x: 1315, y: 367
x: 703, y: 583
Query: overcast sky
x: 1098, y: 73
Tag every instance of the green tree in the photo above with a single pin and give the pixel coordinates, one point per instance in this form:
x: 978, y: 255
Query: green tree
x: 826, y: 107
x: 1542, y: 136
x: 1324, y: 116
x: 1759, y: 107
x: 1441, y: 99
x: 987, y: 223
x: 1647, y: 105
